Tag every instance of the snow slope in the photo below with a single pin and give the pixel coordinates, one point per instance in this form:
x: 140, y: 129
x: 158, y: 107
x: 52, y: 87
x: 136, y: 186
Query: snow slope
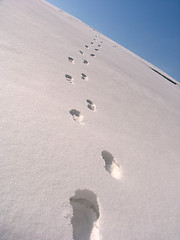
x: 90, y: 135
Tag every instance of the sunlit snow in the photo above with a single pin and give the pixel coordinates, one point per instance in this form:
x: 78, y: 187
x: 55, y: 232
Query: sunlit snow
x: 90, y: 133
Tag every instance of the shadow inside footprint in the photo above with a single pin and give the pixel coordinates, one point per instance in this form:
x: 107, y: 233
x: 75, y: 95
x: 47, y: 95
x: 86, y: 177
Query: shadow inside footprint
x: 83, y: 76
x: 92, y: 43
x: 85, y: 215
x: 69, y: 78
x: 81, y: 52
x: 77, y: 116
x: 86, y: 62
x: 96, y: 49
x: 71, y: 60
x: 86, y: 46
x: 111, y: 166
x: 92, y: 55
x: 99, y: 45
x: 75, y: 112
x: 91, y: 105
x: 89, y: 101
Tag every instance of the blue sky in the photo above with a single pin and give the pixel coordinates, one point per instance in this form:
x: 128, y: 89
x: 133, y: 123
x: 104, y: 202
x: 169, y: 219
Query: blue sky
x: 151, y: 29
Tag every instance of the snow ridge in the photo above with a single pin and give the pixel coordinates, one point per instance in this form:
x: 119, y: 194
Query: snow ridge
x: 69, y: 94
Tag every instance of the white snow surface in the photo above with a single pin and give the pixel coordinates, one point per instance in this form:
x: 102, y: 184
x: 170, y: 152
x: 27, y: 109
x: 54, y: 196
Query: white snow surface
x: 90, y: 150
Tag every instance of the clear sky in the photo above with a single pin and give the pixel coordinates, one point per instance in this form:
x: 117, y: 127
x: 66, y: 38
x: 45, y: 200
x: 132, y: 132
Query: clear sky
x: 151, y: 29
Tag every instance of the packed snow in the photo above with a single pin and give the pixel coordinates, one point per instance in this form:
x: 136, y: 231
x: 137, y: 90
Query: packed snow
x: 90, y: 133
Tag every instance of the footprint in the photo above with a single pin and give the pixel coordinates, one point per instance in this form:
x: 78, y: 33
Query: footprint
x: 85, y: 217
x: 91, y: 105
x: 101, y: 41
x: 92, y: 43
x: 86, y: 46
x: 96, y: 49
x: 99, y: 45
x: 81, y: 52
x: 92, y: 55
x: 71, y: 60
x: 86, y: 62
x: 69, y: 78
x: 111, y: 166
x: 77, y: 116
x: 83, y: 76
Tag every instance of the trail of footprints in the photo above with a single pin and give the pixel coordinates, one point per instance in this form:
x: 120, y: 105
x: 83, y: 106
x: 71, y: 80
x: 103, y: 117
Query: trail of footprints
x: 76, y: 115
x: 69, y: 78
x: 86, y: 213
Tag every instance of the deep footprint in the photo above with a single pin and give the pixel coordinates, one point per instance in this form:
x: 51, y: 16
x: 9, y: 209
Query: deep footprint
x: 84, y: 77
x: 81, y: 52
x: 91, y: 105
x: 92, y: 55
x: 69, y: 78
x: 85, y: 215
x: 86, y: 62
x: 86, y: 46
x: 96, y: 49
x: 111, y: 166
x: 71, y: 60
x: 77, y: 116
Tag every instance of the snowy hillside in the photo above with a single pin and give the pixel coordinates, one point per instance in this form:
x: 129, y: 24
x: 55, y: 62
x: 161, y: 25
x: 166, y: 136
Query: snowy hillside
x: 90, y: 133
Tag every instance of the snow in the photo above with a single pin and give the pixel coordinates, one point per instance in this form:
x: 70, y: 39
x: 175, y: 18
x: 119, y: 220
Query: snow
x: 89, y: 149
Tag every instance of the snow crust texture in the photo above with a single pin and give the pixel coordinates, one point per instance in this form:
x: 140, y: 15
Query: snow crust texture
x: 89, y: 133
